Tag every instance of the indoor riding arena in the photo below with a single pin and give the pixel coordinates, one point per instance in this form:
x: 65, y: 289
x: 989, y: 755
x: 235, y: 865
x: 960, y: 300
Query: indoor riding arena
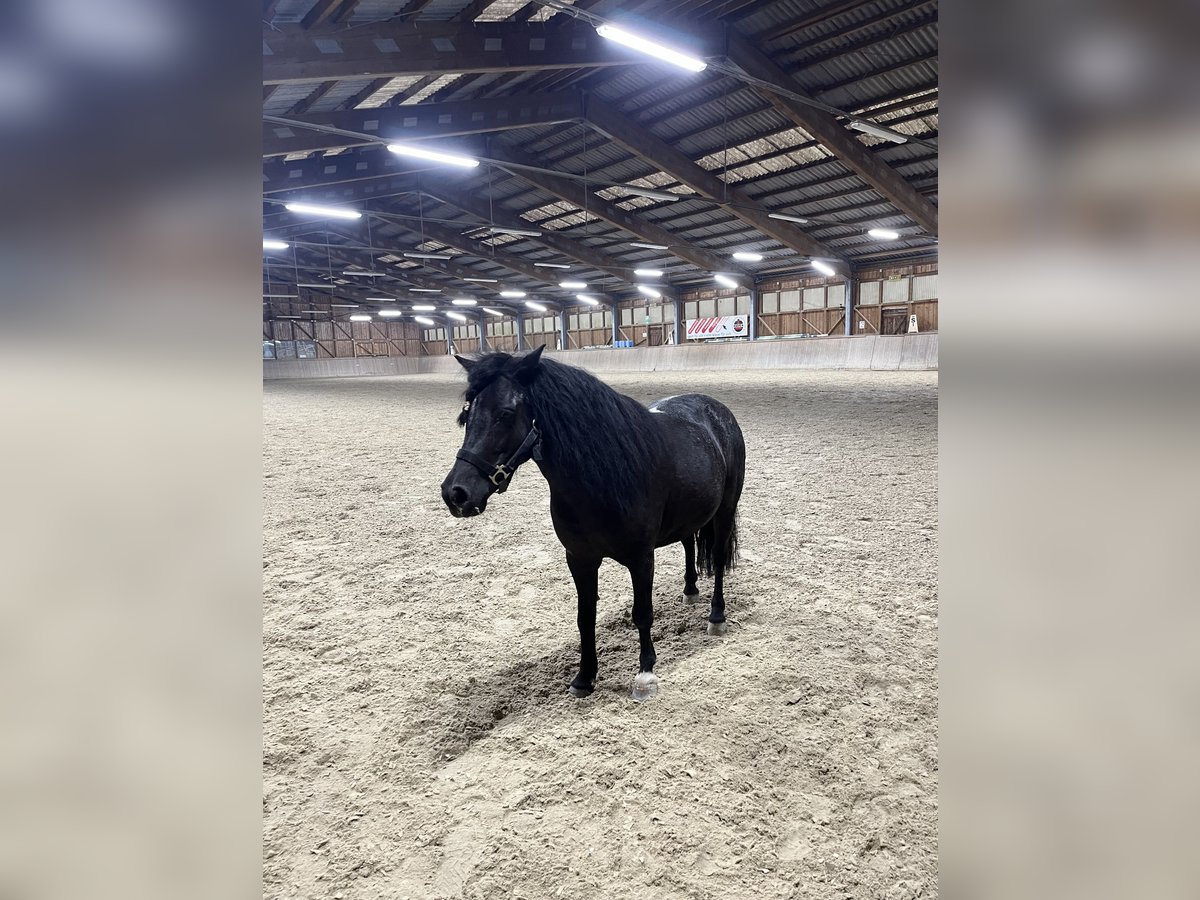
x: 734, y: 199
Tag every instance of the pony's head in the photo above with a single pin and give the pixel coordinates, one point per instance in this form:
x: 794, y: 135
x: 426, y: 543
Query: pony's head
x: 500, y: 430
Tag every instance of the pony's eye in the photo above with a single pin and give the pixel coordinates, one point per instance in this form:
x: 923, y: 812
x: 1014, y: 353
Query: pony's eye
x: 505, y: 415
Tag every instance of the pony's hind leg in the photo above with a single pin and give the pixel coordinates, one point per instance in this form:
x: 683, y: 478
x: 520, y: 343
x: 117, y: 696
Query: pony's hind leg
x: 690, y: 591
x: 645, y: 685
x: 724, y: 544
x: 584, y: 572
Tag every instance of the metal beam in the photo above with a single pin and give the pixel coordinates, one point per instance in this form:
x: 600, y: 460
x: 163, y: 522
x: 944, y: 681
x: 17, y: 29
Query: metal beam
x: 639, y: 141
x: 833, y: 134
x: 574, y: 193
x: 383, y: 49
x: 423, y: 121
x: 327, y: 171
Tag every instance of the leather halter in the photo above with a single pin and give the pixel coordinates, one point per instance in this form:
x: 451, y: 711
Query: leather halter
x: 501, y: 473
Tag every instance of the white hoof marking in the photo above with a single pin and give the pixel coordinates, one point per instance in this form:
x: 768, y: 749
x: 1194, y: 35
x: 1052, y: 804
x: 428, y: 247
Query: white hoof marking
x: 645, y: 686
x: 717, y: 628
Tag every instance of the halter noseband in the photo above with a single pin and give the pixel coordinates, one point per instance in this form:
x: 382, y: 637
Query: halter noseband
x: 501, y: 473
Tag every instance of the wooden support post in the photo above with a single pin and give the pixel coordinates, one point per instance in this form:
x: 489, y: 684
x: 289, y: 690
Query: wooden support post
x: 564, y: 341
x: 678, y: 339
x: 850, y: 297
x: 752, y: 331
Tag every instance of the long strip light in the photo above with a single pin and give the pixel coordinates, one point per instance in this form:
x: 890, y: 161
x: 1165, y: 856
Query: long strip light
x: 363, y: 273
x: 316, y: 285
x: 344, y: 305
x: 452, y: 159
x: 647, y: 192
x: 535, y: 305
x: 784, y: 217
x: 390, y: 313
x: 823, y: 267
x: 415, y: 255
x: 328, y: 212
x: 648, y: 246
x: 423, y: 320
x: 573, y: 285
x: 490, y: 311
x: 426, y: 290
x: 746, y: 256
x: 457, y: 316
x: 649, y: 291
x: 550, y: 266
x: 484, y: 280
x: 381, y: 299
x: 269, y: 244
x: 519, y: 232
x: 584, y: 298
x: 886, y: 133
x: 884, y: 234
x: 512, y: 294
x: 360, y: 318
x: 648, y: 273
x: 463, y: 301
x: 650, y: 48
x: 423, y: 307
x: 725, y: 281
x: 281, y: 296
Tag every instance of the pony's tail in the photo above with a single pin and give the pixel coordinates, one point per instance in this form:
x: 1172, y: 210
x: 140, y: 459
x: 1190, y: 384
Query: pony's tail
x: 705, y: 544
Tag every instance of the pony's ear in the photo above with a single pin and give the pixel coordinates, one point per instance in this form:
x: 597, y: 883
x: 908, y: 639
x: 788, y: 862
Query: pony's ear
x: 464, y: 362
x: 528, y: 363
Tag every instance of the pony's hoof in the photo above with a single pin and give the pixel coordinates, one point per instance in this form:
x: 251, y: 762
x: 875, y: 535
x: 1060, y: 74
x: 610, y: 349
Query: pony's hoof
x: 691, y: 598
x: 716, y: 629
x: 579, y: 690
x: 645, y: 686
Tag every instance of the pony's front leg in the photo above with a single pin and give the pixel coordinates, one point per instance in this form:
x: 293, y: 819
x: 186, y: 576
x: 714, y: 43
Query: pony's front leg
x: 584, y: 571
x: 645, y: 685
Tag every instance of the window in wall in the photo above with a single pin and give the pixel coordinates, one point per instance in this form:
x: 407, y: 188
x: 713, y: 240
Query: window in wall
x: 789, y: 301
x: 654, y: 312
x: 285, y: 349
x: 895, y: 290
x: 768, y: 302
x: 726, y: 306
x: 306, y: 349
x: 924, y: 287
x: 868, y: 293
x: 268, y: 349
x: 690, y: 310
x: 608, y: 318
x: 835, y: 295
x: 814, y: 298
x: 668, y: 312
x: 707, y: 308
x: 741, y: 306
x: 626, y: 316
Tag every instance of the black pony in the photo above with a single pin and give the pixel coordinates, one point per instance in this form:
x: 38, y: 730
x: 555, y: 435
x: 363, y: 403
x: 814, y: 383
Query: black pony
x: 624, y: 479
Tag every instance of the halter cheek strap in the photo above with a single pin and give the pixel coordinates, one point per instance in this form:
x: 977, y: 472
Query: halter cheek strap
x: 501, y: 473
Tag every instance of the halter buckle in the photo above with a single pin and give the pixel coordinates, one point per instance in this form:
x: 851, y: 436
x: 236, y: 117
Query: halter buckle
x: 503, y: 473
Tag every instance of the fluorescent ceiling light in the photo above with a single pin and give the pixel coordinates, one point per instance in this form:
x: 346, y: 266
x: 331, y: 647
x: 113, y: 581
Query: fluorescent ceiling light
x: 360, y: 318
x: 823, y: 267
x: 423, y: 307
x: 648, y: 246
x: 886, y: 133
x: 584, y: 298
x: 648, y: 273
x: 429, y: 256
x: 459, y: 316
x: 573, y: 285
x: 315, y: 285
x: 534, y: 305
x: 452, y: 159
x: 551, y: 266
x: 786, y: 218
x: 744, y: 256
x: 328, y: 212
x: 884, y: 234
x: 725, y: 280
x: 647, y: 192
x: 520, y: 232
x: 426, y: 290
x: 344, y: 305
x: 650, y: 48
x: 390, y: 312
x: 483, y: 280
x: 285, y: 317
x: 364, y: 274
x: 423, y: 320
x: 512, y: 294
x: 490, y: 311
x: 269, y: 244
x: 382, y: 299
x: 280, y: 296
x: 649, y: 291
x: 463, y: 301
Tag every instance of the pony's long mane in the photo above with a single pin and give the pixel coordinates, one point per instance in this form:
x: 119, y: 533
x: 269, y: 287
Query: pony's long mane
x: 602, y: 440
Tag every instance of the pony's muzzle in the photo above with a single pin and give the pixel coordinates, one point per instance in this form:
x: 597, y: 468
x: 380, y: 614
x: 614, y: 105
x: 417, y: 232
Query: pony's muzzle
x: 463, y: 500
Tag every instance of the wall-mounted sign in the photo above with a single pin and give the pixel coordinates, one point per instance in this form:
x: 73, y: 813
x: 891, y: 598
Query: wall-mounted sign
x: 718, y: 327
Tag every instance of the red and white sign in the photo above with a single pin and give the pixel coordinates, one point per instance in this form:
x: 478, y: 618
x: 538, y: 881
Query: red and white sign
x: 718, y: 327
